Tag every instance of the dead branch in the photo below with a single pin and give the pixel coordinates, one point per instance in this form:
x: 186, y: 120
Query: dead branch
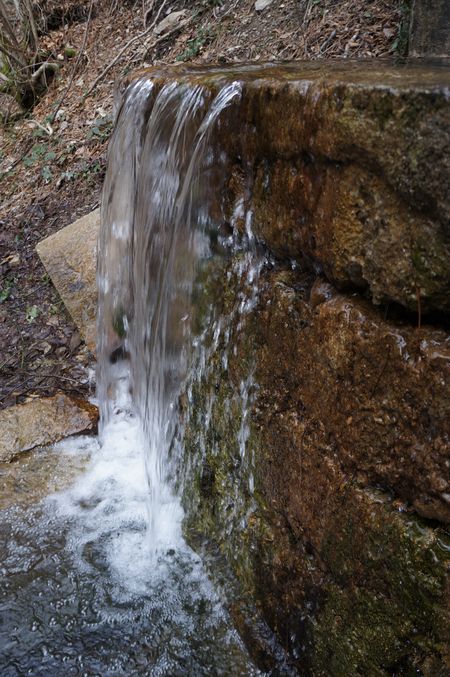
x: 11, y: 55
x: 326, y: 42
x: 35, y: 42
x: 146, y: 13
x: 8, y: 30
x: 19, y: 44
x: 160, y: 39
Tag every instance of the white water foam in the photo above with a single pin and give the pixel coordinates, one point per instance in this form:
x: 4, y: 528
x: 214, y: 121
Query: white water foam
x: 109, y: 506
x: 88, y: 593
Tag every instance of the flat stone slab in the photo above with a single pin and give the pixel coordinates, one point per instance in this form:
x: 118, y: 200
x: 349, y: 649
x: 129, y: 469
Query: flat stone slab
x: 261, y: 5
x: 41, y: 422
x: 70, y: 258
x: 170, y: 22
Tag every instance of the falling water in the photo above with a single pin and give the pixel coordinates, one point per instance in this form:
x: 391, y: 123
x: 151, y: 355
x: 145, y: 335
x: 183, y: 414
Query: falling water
x: 159, y: 207
x: 97, y: 578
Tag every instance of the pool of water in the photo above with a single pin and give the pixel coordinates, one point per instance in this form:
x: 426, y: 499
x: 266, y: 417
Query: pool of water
x: 83, y: 591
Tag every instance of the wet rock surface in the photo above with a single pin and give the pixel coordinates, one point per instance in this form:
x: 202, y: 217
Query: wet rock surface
x: 43, y: 421
x: 382, y: 406
x: 70, y: 258
x: 356, y: 157
x: 324, y: 485
x: 348, y: 442
x: 33, y: 476
x: 358, y: 230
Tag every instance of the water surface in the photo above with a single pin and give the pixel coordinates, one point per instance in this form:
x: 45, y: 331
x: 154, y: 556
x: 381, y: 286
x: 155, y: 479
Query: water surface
x: 83, y: 591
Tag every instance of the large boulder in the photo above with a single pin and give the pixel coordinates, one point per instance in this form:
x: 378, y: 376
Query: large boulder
x: 346, y: 167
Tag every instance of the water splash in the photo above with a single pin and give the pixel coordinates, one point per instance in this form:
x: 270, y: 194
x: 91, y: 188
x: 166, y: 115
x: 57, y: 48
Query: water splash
x: 78, y: 591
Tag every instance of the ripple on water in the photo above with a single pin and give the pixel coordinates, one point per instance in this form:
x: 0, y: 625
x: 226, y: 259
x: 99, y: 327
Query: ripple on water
x: 82, y: 591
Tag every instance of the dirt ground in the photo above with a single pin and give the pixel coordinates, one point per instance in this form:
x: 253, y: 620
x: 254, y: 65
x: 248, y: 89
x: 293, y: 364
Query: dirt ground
x: 53, y: 158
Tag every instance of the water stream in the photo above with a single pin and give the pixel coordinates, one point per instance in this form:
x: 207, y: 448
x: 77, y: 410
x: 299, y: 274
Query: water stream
x: 96, y: 577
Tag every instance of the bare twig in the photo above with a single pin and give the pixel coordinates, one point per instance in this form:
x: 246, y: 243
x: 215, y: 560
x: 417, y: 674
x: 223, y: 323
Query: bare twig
x: 307, y: 12
x: 10, y: 392
x: 112, y: 63
x: 327, y: 41
x: 147, y: 12
x: 155, y: 42
x: 229, y: 10
x: 25, y: 388
x: 35, y: 43
x: 8, y: 30
x: 75, y: 68
x: 57, y: 377
x: 12, y: 56
x: 158, y: 14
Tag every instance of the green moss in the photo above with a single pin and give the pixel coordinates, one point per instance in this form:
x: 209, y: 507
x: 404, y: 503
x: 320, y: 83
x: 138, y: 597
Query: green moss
x: 384, y: 605
x: 217, y: 496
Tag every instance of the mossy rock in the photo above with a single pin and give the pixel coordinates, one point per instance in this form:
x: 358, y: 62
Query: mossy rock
x: 350, y: 580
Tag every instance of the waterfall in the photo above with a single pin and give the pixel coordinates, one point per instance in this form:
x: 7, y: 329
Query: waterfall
x: 98, y: 576
x: 127, y: 590
x: 161, y: 201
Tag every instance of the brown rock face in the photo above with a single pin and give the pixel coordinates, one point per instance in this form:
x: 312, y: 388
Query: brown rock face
x: 327, y: 487
x: 41, y: 422
x: 70, y: 258
x: 371, y: 394
x: 346, y: 169
x: 353, y: 429
x: 360, y: 232
x: 349, y: 440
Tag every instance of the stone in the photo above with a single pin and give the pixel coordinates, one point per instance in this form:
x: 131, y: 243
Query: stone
x: 430, y: 28
x: 346, y: 170
x: 348, y: 440
x: 359, y: 231
x: 43, y: 421
x: 261, y: 5
x: 70, y: 258
x: 39, y: 473
x: 170, y: 22
x: 316, y: 437
x: 383, y: 409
